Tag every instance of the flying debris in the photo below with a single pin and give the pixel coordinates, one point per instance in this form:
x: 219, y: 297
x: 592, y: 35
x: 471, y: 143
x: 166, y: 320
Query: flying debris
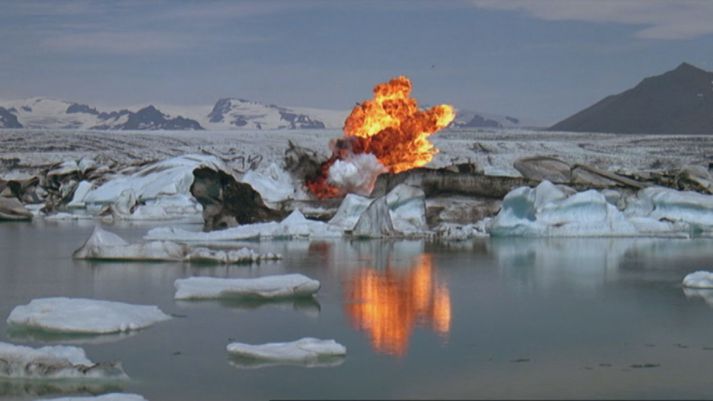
x: 392, y: 128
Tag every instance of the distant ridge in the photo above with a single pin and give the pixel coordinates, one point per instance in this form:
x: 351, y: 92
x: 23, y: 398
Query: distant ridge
x: 679, y: 101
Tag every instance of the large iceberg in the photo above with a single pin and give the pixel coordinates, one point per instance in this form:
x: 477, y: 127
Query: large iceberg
x: 268, y: 287
x: 84, y: 316
x: 551, y: 211
x: 55, y: 362
x: 157, y: 191
x: 274, y: 184
x: 293, y: 226
x: 305, y: 351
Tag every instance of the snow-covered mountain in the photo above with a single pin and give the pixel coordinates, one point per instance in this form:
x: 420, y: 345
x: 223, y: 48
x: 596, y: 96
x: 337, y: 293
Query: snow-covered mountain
x: 474, y: 119
x: 226, y: 114
x: 47, y: 113
x: 231, y: 113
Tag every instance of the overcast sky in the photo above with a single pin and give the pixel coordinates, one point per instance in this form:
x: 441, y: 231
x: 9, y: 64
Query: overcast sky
x: 527, y: 58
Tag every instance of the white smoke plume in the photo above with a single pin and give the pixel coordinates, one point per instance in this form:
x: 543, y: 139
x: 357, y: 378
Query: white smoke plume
x: 356, y: 174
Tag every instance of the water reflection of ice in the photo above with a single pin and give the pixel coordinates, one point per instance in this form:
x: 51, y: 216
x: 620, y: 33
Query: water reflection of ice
x: 252, y: 363
x: 34, y: 335
x: 588, y: 263
x: 310, y: 307
x: 704, y: 293
x: 40, y: 388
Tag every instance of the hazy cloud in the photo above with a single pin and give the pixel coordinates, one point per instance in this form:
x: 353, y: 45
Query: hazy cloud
x: 660, y: 19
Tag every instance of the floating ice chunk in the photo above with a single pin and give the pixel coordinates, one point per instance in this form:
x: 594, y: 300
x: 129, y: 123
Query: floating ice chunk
x: 55, y: 362
x: 274, y: 184
x: 242, y: 255
x: 280, y: 286
x: 84, y: 316
x: 293, y: 226
x: 305, y: 351
x: 462, y: 232
x: 699, y: 279
x: 105, y: 397
x: 104, y: 245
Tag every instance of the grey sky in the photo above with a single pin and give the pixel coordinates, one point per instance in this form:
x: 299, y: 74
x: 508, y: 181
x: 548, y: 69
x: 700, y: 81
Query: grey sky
x: 539, y: 59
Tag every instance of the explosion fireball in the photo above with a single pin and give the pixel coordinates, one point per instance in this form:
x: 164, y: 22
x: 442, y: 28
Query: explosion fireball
x: 388, y: 133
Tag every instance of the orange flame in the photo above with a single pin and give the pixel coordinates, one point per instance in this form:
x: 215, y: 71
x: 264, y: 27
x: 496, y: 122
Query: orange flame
x: 391, y: 127
x: 389, y: 304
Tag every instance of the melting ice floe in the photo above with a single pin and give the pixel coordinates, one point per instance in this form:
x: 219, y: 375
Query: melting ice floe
x: 104, y: 245
x: 305, y: 351
x: 55, y: 362
x: 84, y: 316
x: 105, y: 397
x: 699, y: 279
x: 547, y: 210
x: 268, y: 287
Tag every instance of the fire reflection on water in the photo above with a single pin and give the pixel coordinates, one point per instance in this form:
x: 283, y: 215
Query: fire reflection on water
x: 388, y: 304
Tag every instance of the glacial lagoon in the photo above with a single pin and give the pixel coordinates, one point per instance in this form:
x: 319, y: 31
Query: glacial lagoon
x: 485, y: 318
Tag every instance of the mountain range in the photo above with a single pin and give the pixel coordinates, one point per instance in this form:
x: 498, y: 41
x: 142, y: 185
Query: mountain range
x: 226, y: 114
x: 679, y: 101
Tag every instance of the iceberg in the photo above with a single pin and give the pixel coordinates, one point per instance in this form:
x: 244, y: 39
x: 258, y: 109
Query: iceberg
x: 84, y: 316
x: 105, y: 397
x: 401, y: 211
x: 157, y: 191
x: 375, y: 221
x: 54, y: 362
x: 296, y: 225
x: 274, y: 184
x: 699, y: 279
x: 305, y: 351
x: 268, y: 287
x: 550, y: 211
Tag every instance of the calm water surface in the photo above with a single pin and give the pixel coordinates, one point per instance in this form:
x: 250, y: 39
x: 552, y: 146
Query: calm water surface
x: 591, y: 318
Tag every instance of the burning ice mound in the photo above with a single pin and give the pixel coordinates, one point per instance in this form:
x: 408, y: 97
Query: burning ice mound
x: 547, y: 211
x: 307, y: 351
x: 84, y: 316
x: 269, y: 287
x: 56, y: 362
x: 157, y: 191
x: 699, y: 279
x: 293, y: 226
x: 105, y: 397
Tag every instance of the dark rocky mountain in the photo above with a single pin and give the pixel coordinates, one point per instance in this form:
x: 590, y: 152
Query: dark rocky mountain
x: 677, y: 102
x: 8, y: 119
